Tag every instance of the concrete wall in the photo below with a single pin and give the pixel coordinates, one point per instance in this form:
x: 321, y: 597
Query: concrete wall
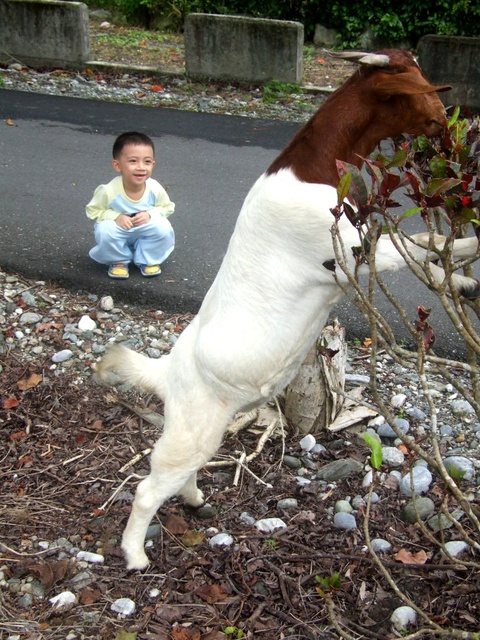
x: 44, y: 34
x: 456, y: 61
x: 243, y: 49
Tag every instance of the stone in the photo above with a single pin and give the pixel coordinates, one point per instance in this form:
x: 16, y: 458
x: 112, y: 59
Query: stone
x: 30, y: 318
x: 379, y: 545
x: 425, y: 508
x: 419, y: 478
x: 339, y: 469
x: 124, y: 606
x: 62, y: 356
x: 460, y: 466
x: 345, y: 521
x: 403, y: 617
x: 392, y: 457
x: 307, y: 442
x: 221, y: 540
x: 343, y: 506
x: 268, y: 525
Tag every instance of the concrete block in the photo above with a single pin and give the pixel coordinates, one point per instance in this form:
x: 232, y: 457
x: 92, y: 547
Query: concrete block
x: 243, y: 49
x: 453, y: 60
x: 50, y: 33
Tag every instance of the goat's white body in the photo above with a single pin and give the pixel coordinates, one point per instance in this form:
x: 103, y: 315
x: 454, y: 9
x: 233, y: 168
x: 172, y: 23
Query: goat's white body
x: 266, y: 307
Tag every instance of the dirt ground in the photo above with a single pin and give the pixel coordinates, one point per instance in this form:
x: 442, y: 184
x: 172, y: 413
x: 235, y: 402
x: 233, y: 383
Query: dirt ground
x: 114, y: 44
x: 72, y: 453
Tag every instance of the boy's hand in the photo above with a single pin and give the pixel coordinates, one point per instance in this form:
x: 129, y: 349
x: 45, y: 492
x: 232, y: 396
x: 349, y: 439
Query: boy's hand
x: 128, y: 222
x: 140, y: 218
x: 124, y: 221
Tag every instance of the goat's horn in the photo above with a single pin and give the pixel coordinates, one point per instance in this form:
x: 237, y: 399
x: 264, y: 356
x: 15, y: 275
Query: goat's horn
x: 374, y: 59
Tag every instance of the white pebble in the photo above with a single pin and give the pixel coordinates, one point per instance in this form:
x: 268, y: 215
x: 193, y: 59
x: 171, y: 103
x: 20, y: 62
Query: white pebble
x: 106, y: 303
x: 308, y: 442
x: 62, y: 356
x: 221, y: 540
x: 402, y: 617
x: 246, y: 518
x: 456, y: 547
x: 268, y: 525
x: 86, y: 324
x: 63, y: 601
x: 90, y: 557
x: 368, y: 479
x: 124, y: 606
x: 398, y: 400
x: 302, y: 482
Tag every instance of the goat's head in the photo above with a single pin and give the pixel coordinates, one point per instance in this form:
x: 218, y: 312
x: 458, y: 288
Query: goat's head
x: 400, y: 90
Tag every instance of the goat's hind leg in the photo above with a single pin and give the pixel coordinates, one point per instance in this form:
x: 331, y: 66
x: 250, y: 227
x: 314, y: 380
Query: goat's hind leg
x: 175, y: 460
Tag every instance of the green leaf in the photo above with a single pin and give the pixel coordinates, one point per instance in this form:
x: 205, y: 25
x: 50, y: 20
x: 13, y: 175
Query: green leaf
x: 376, y: 457
x: 398, y: 159
x: 410, y: 212
x: 454, y: 117
x: 344, y: 187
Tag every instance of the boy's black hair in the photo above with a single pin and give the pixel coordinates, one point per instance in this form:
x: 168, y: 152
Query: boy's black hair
x: 131, y: 137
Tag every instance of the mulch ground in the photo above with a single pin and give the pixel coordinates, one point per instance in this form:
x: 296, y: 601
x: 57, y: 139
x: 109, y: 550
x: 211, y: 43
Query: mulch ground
x: 64, y: 449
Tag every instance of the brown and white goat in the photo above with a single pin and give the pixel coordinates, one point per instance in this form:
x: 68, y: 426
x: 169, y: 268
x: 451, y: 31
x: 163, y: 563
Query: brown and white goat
x: 272, y: 295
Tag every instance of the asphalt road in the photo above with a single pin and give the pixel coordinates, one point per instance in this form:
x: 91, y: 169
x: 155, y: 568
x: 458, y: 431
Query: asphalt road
x: 58, y: 149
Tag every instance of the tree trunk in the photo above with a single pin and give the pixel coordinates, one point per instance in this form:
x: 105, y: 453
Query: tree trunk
x: 312, y: 402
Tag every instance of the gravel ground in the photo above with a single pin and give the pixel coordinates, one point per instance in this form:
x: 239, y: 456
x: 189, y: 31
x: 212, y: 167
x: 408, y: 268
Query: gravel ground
x: 72, y: 452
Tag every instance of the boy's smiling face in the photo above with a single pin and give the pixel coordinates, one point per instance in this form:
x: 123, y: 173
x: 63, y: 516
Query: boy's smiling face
x: 135, y: 163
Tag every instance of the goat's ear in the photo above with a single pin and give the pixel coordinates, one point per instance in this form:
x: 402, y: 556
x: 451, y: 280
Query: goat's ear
x: 407, y: 83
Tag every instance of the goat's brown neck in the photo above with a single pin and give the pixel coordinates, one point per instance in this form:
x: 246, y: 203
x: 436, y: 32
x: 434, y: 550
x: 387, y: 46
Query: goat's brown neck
x: 344, y: 128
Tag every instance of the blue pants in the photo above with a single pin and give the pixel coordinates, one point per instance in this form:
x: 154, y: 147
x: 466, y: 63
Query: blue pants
x: 148, y: 244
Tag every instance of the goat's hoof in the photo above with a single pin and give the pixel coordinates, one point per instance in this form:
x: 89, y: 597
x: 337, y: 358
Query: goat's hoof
x: 136, y: 561
x: 197, y: 501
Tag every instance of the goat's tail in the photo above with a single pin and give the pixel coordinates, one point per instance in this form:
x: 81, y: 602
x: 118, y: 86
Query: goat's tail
x: 120, y: 365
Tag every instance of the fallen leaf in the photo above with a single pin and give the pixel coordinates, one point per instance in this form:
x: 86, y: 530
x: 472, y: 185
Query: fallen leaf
x: 49, y: 573
x: 10, y: 403
x: 29, y: 383
x: 24, y: 461
x: 10, y: 122
x: 90, y: 596
x: 211, y: 593
x: 179, y: 633
x: 157, y: 87
x: 18, y: 435
x: 176, y: 525
x: 407, y: 557
x: 192, y: 538
x: 125, y: 635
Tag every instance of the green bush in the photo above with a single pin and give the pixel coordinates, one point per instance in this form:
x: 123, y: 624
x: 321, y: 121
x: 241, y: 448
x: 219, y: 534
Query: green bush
x: 388, y: 21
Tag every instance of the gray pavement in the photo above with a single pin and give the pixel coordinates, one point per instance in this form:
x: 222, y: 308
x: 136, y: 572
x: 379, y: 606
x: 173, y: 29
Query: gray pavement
x: 59, y: 149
